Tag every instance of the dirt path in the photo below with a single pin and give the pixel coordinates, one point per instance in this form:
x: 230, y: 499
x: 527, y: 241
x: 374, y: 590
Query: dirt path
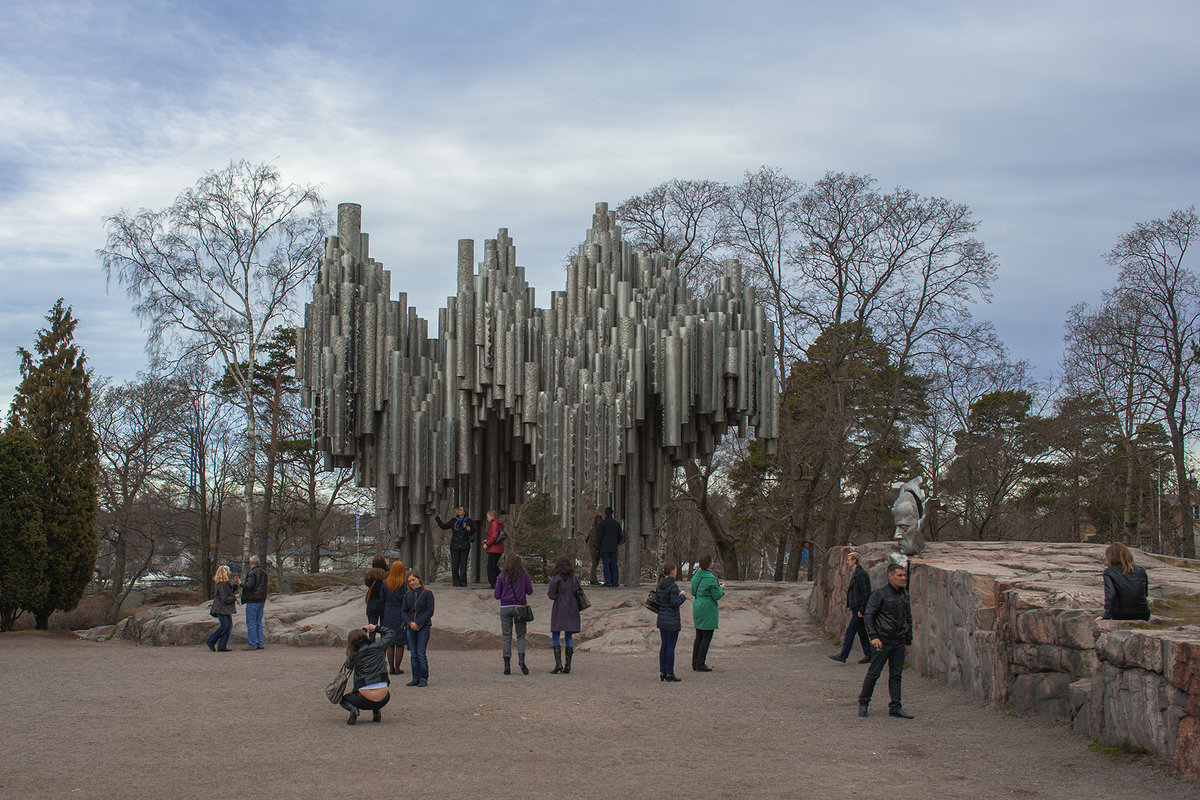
x: 85, y: 720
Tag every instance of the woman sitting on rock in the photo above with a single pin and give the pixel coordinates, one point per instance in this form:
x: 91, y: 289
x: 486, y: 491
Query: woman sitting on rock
x: 366, y: 656
x: 1126, y: 585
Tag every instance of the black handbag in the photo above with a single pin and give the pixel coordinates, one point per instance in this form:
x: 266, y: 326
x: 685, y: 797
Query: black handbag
x: 580, y: 598
x: 523, y: 614
x: 336, y: 689
x: 652, y: 601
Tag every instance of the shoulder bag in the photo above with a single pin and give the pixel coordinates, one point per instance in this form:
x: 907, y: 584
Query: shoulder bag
x: 523, y: 614
x: 580, y: 598
x: 652, y: 601
x: 336, y: 689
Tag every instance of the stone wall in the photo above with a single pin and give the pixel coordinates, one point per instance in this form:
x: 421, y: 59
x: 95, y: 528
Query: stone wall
x: 1015, y: 624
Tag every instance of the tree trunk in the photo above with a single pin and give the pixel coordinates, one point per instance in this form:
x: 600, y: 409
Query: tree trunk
x: 698, y: 489
x: 41, y: 618
x: 251, y: 452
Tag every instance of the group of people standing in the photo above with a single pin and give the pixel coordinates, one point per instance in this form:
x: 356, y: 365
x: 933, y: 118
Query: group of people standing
x: 706, y: 591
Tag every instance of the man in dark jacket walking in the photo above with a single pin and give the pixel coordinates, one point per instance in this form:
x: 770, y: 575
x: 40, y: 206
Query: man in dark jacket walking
x: 888, y: 620
x: 254, y: 597
x: 856, y: 600
x: 608, y: 539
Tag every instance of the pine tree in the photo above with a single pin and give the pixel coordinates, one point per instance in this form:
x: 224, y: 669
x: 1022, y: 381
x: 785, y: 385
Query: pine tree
x: 22, y: 536
x: 53, y: 404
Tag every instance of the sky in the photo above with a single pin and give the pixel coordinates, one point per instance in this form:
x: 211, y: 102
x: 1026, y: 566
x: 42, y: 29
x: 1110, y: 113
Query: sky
x: 1060, y: 124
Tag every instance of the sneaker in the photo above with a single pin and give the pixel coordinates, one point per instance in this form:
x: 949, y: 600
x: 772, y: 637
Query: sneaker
x: 839, y: 658
x: 260, y: 647
x: 413, y: 683
x: 248, y: 647
x: 423, y: 683
x: 863, y: 660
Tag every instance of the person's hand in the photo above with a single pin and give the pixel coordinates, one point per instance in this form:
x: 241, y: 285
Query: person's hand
x: 860, y: 615
x: 877, y: 644
x: 907, y: 647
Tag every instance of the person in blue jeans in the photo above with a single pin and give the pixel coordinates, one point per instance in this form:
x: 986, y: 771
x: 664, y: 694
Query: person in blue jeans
x: 254, y: 597
x: 224, y: 606
x: 670, y: 598
x: 608, y: 539
x: 857, y: 594
x: 416, y: 612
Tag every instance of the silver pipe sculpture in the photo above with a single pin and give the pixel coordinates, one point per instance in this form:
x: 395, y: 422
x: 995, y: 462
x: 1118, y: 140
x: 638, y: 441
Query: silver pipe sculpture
x: 597, y: 398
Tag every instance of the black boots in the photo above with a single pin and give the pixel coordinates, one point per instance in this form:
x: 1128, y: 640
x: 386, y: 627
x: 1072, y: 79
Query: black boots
x: 557, y: 661
x: 521, y: 662
x: 507, y: 667
x: 353, y: 712
x: 567, y: 668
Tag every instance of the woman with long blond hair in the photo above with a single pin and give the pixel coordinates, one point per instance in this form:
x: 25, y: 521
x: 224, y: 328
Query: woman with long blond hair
x: 394, y: 587
x: 1126, y: 585
x: 224, y: 606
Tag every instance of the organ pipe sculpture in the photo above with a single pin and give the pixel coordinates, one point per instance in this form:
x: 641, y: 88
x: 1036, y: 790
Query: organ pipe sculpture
x: 596, y: 399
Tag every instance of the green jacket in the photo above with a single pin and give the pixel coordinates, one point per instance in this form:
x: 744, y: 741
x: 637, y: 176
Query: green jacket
x: 705, y: 593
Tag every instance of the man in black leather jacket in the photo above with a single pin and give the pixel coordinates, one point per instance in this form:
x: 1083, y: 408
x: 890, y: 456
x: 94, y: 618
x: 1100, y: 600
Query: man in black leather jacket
x: 889, y: 625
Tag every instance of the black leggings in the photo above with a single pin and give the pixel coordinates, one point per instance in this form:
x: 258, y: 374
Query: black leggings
x: 358, y: 701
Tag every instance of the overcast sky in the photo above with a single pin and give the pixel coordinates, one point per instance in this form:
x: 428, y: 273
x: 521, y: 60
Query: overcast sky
x: 1059, y: 124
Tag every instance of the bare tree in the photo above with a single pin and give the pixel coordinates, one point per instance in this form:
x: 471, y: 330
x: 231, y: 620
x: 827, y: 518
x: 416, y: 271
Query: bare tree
x: 223, y: 263
x: 1165, y: 292
x: 685, y: 220
x: 135, y: 428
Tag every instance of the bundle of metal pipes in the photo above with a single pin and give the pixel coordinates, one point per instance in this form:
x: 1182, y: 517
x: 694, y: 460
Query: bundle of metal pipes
x: 597, y: 399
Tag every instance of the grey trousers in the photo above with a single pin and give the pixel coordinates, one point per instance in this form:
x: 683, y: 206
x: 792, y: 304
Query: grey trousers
x: 507, y: 620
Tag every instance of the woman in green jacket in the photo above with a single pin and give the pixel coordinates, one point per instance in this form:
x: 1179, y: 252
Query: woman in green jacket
x: 706, y: 591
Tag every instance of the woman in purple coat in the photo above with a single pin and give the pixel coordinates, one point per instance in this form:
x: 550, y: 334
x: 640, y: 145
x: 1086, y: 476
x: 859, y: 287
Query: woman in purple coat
x: 564, y: 616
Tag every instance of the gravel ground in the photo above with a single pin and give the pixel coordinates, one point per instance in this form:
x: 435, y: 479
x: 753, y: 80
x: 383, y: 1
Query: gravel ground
x: 118, y: 720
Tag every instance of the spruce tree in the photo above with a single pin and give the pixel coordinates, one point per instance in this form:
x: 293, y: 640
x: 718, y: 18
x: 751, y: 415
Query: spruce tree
x: 53, y: 404
x: 22, y: 536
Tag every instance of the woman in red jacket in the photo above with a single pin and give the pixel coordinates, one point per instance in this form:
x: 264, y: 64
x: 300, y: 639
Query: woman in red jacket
x: 493, y: 545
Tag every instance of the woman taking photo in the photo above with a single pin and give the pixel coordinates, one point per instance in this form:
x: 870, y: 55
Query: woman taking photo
x: 365, y: 657
x: 373, y: 580
x: 224, y: 606
x: 513, y: 585
x: 416, y: 613
x: 1126, y: 585
x: 564, y: 615
x: 670, y: 598
x: 393, y: 589
x: 706, y: 591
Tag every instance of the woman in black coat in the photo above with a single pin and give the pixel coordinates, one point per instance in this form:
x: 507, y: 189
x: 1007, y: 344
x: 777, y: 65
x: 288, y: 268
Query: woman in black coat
x: 1126, y: 585
x: 366, y: 656
x: 224, y: 606
x: 670, y: 598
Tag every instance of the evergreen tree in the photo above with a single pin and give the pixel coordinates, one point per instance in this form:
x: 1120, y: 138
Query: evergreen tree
x: 22, y: 536
x: 53, y: 404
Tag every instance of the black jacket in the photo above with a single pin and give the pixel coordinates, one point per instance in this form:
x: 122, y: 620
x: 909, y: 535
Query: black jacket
x: 859, y: 591
x: 889, y: 616
x: 224, y: 600
x: 461, y: 538
x: 369, y: 662
x: 1126, y: 594
x: 669, y: 601
x: 254, y: 586
x: 608, y: 535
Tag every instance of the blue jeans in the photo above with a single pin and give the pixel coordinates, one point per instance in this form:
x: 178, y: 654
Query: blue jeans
x: 666, y: 652
x: 220, y: 637
x: 254, y: 628
x: 891, y: 654
x: 612, y: 574
x: 417, y: 642
x: 554, y: 637
x: 856, y: 626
